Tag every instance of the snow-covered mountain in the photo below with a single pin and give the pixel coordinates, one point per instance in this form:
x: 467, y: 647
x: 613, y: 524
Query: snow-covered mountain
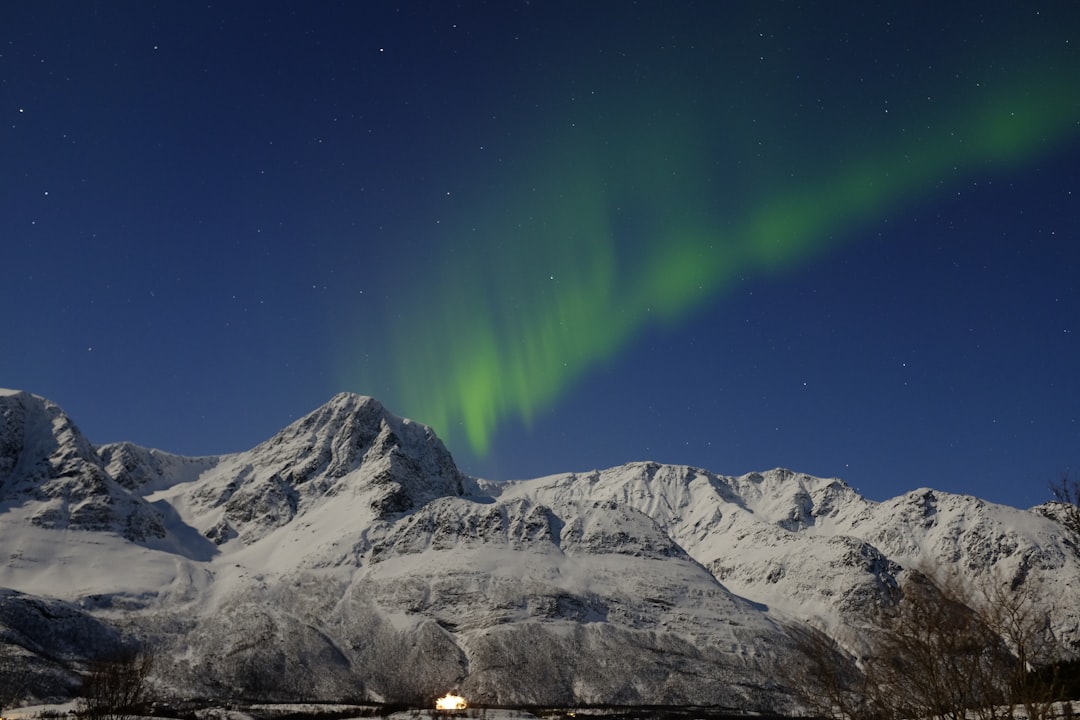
x: 347, y: 557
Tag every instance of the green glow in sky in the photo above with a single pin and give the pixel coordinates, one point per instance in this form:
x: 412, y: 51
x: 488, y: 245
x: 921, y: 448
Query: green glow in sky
x: 607, y: 231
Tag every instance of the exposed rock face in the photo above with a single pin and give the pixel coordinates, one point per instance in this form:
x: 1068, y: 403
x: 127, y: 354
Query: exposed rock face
x: 46, y: 463
x: 347, y: 556
x: 350, y: 445
x: 138, y: 469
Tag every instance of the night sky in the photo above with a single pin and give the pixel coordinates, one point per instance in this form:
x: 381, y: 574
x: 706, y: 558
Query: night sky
x: 842, y: 238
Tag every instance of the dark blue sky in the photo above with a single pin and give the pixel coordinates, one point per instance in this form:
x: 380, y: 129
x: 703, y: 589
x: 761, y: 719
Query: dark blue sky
x: 569, y: 235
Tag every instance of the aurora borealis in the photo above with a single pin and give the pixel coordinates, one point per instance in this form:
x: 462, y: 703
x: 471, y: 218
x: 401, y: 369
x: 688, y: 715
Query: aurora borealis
x: 542, y: 304
x: 565, y: 237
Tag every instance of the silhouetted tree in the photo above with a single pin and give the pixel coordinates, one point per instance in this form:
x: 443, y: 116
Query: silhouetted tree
x: 834, y: 686
x: 945, y: 649
x: 117, y: 687
x: 1066, y: 492
x: 1017, y: 611
x: 936, y: 656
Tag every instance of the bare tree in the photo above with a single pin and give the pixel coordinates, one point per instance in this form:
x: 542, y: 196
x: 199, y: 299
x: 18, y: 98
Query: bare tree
x: 834, y: 686
x: 947, y: 649
x: 935, y: 656
x: 117, y: 688
x: 1066, y: 492
x: 1016, y: 610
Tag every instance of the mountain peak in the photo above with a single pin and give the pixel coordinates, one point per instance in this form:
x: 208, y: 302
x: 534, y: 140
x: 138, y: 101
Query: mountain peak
x: 45, y: 458
x: 334, y: 438
x: 38, y: 440
x: 353, y: 399
x: 350, y: 447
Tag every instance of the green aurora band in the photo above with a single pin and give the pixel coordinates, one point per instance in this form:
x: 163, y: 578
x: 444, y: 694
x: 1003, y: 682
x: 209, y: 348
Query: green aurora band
x: 616, y: 233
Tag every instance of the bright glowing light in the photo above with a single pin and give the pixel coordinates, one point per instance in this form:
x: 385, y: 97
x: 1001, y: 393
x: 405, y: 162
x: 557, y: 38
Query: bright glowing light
x: 450, y: 702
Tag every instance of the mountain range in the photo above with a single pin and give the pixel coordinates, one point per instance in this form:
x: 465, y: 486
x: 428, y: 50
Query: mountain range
x: 347, y: 557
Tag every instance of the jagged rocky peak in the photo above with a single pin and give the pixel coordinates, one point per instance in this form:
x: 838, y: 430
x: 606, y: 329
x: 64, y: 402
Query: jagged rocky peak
x: 12, y: 430
x: 37, y: 439
x: 144, y: 469
x: 795, y: 500
x: 332, y: 438
x: 351, y: 431
x: 351, y: 447
x: 42, y: 453
x: 45, y: 458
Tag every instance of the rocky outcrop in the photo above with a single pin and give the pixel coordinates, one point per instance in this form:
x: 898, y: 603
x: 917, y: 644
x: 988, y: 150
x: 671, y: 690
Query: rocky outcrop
x: 46, y: 461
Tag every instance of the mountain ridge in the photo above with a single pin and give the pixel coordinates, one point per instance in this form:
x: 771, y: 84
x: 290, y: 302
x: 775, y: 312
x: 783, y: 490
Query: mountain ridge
x: 349, y: 542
